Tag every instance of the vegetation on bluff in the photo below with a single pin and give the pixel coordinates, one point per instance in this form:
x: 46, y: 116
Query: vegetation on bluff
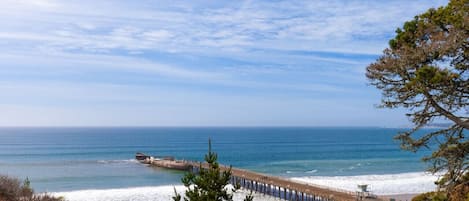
x: 12, y: 189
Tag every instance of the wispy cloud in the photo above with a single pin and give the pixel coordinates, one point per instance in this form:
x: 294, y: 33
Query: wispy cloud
x: 307, y: 51
x: 310, y: 25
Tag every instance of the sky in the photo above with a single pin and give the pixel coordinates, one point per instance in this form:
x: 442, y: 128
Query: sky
x: 196, y: 63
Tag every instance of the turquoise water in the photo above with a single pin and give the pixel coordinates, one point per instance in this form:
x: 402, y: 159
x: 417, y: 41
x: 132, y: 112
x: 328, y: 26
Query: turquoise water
x: 66, y: 159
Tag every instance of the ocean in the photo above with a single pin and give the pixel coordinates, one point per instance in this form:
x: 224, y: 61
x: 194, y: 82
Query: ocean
x: 87, y: 162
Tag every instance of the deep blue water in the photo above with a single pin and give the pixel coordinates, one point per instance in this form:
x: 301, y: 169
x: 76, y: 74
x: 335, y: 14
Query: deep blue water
x: 63, y: 159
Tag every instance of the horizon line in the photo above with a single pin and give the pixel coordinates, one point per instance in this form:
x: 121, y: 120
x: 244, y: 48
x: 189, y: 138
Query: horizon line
x: 211, y: 126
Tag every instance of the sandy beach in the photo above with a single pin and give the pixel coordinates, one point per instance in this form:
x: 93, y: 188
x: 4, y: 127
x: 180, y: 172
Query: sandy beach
x: 159, y: 193
x: 400, y: 197
x: 164, y: 193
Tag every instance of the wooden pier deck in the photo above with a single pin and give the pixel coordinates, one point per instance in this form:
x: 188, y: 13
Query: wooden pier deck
x: 282, y: 188
x: 278, y: 187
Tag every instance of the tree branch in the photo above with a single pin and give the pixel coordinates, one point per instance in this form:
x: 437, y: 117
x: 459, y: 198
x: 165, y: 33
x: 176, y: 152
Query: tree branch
x: 447, y: 114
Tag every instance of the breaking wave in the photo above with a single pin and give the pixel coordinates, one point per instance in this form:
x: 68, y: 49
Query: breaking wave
x: 386, y: 184
x: 117, y: 161
x: 151, y: 193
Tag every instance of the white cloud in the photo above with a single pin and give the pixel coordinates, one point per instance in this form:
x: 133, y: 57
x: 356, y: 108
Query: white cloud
x: 157, y: 35
x: 71, y: 64
x: 33, y: 4
x: 82, y: 62
x: 246, y: 25
x: 232, y: 62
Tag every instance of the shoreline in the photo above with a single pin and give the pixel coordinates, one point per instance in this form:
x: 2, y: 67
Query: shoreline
x: 392, y: 186
x: 137, y: 193
x: 157, y: 193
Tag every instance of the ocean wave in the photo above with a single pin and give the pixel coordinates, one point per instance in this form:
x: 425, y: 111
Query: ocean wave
x: 386, y: 184
x: 66, y: 162
x: 117, y: 161
x: 312, y: 171
x: 150, y: 193
x: 360, y: 162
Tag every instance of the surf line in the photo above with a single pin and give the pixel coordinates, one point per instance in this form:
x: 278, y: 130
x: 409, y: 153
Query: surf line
x: 265, y: 184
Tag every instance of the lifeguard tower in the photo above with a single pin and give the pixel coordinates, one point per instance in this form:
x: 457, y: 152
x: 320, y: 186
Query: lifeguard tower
x: 364, y: 192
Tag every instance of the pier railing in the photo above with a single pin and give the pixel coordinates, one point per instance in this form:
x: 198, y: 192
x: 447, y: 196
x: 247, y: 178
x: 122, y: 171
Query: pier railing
x: 279, y: 187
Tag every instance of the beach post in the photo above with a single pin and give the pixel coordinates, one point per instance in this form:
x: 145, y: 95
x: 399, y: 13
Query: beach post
x: 284, y: 193
x: 279, y: 192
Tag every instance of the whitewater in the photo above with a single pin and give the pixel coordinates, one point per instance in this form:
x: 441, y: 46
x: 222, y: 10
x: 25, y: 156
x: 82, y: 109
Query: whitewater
x: 390, y: 184
x: 156, y: 193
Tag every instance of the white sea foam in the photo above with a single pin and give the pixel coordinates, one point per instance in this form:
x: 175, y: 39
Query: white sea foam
x: 117, y: 161
x: 387, y: 184
x: 156, y: 193
x: 312, y: 171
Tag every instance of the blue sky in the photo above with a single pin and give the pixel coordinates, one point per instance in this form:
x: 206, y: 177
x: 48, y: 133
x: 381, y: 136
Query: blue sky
x: 195, y: 63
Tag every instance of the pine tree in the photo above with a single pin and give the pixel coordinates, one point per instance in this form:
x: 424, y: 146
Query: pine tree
x: 209, y: 183
x: 426, y: 70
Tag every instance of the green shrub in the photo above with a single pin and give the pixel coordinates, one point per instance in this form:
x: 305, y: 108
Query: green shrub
x: 431, y: 196
x: 11, y: 189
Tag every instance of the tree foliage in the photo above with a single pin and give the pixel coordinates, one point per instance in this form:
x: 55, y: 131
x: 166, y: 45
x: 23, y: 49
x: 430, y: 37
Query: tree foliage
x: 425, y: 69
x: 208, y: 184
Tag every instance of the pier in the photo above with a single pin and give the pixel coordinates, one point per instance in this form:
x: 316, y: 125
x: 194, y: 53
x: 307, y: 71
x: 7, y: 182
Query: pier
x: 278, y: 187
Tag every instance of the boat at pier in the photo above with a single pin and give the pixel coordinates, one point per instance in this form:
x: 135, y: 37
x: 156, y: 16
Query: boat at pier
x: 141, y: 156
